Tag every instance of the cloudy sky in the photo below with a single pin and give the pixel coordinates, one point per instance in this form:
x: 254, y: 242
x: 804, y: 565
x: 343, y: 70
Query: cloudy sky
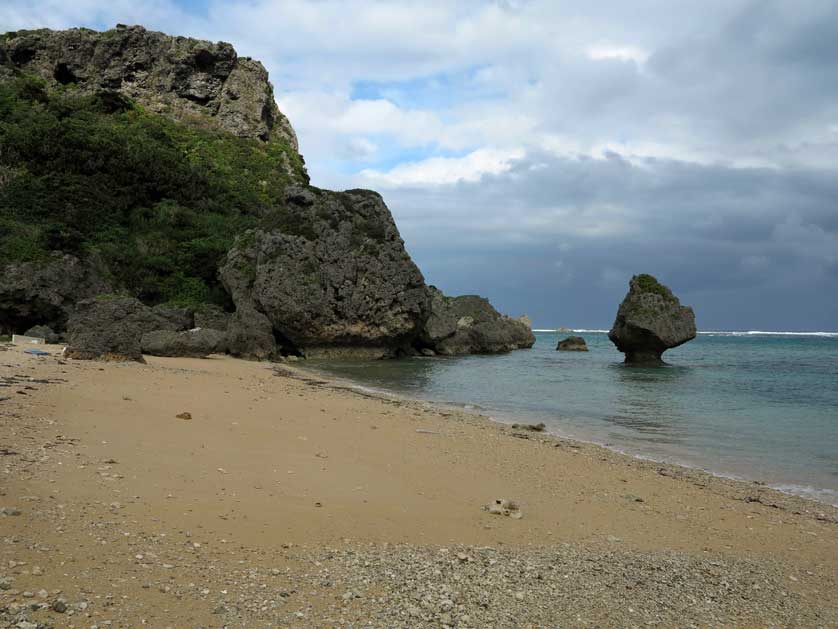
x: 541, y: 152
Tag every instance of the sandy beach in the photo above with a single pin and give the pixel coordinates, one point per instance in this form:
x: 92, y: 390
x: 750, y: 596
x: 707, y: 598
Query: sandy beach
x: 284, y: 499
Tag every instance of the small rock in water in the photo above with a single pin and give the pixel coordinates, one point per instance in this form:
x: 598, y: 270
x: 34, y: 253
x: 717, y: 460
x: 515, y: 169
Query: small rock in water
x: 572, y: 344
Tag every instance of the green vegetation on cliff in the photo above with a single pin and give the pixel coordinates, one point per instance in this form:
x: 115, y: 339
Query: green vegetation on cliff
x: 159, y: 202
x: 649, y: 284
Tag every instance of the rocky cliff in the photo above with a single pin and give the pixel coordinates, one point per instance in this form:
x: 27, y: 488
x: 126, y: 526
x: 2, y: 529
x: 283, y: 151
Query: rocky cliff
x: 159, y: 170
x: 46, y: 292
x: 331, y: 276
x: 175, y: 76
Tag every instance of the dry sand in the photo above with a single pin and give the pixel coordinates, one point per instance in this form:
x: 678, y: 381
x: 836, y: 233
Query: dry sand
x: 290, y: 500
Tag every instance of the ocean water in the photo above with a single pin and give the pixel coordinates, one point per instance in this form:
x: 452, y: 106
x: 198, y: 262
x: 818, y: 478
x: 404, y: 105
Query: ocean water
x: 751, y: 405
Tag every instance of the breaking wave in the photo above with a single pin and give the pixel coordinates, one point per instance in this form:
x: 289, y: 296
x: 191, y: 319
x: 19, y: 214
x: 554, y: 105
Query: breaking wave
x: 711, y: 332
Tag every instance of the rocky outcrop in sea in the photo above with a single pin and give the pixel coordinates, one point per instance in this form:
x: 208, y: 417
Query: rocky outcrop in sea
x: 572, y: 344
x: 468, y: 324
x: 650, y: 321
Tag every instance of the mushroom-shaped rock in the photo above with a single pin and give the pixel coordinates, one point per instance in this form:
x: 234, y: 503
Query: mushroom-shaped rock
x: 572, y: 344
x: 650, y: 321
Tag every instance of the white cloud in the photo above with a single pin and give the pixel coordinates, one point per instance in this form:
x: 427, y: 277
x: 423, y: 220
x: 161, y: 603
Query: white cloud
x: 622, y: 53
x: 446, y: 170
x: 641, y: 81
x: 58, y: 14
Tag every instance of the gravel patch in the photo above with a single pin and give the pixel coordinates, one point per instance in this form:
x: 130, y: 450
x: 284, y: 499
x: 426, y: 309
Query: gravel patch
x: 406, y: 586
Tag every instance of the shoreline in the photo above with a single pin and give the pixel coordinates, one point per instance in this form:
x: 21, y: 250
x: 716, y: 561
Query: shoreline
x: 315, y: 377
x: 291, y: 499
x: 818, y: 495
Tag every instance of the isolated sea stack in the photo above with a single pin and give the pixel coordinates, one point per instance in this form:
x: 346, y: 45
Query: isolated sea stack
x: 650, y: 321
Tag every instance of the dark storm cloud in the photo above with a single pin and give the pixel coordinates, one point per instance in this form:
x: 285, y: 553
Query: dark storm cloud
x: 758, y: 247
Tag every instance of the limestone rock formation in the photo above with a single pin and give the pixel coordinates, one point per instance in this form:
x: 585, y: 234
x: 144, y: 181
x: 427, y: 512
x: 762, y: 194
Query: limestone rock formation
x: 176, y: 76
x: 650, y: 321
x: 332, y: 276
x: 111, y: 329
x: 197, y: 343
x: 212, y: 317
x: 43, y: 332
x: 177, y: 318
x: 572, y: 344
x: 468, y: 324
x: 250, y: 335
x: 323, y: 273
x: 45, y: 292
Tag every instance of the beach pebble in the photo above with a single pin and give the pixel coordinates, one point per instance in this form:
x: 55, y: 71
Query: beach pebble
x: 539, y: 427
x: 501, y: 506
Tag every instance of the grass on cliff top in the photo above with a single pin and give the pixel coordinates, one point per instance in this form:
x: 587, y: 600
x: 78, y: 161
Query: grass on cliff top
x: 157, y: 201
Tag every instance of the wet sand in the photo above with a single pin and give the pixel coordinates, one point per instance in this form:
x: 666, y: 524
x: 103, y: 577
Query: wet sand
x: 231, y: 517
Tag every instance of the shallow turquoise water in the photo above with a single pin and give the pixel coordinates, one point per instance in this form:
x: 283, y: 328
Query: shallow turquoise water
x: 755, y: 406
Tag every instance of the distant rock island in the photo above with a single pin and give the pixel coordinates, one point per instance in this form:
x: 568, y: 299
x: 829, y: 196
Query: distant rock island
x: 650, y: 321
x: 149, y: 184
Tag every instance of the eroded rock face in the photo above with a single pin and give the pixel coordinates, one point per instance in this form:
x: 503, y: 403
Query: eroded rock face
x: 196, y: 343
x: 650, y: 321
x: 111, y: 329
x: 178, y: 318
x: 332, y: 277
x: 212, y: 317
x: 176, y: 76
x: 250, y: 335
x: 572, y: 344
x: 327, y: 274
x: 44, y: 293
x: 470, y: 325
x: 43, y: 332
